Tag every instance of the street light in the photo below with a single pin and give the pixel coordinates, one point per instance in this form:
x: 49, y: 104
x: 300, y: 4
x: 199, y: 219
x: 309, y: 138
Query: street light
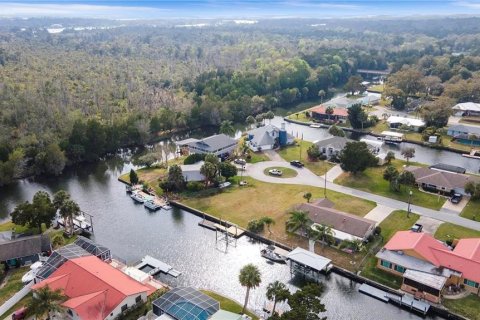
x: 409, y: 202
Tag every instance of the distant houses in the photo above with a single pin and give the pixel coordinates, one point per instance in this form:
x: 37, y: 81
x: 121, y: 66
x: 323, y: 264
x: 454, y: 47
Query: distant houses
x: 430, y: 268
x: 465, y: 134
x: 466, y: 109
x: 268, y: 137
x: 395, y: 122
x: 345, y: 226
x: 338, y: 115
x: 219, y: 145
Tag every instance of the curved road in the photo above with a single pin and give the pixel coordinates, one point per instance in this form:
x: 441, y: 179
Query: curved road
x: 306, y: 177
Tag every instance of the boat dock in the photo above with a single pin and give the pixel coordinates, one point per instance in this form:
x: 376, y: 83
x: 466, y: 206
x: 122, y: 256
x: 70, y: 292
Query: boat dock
x: 152, y: 266
x: 232, y: 231
x: 155, y: 203
x: 401, y: 300
x: 80, y: 223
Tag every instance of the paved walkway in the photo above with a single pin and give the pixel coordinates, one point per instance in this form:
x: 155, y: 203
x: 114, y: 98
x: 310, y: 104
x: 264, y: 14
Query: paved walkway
x: 379, y: 213
x: 333, y: 173
x: 273, y: 155
x: 306, y: 177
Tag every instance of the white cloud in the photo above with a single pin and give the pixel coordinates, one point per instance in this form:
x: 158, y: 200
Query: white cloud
x: 12, y: 9
x: 468, y: 4
x: 324, y: 5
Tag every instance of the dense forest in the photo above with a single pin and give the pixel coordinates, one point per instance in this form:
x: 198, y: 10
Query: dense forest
x: 79, y: 94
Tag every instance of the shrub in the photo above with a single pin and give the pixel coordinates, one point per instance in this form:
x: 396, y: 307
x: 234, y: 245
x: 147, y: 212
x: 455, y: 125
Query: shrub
x: 194, y: 158
x: 255, y: 225
x: 377, y: 231
x: 313, y: 152
x: 195, y: 186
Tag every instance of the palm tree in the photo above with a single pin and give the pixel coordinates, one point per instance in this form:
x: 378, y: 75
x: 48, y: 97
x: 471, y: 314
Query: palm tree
x: 68, y: 209
x: 226, y: 127
x: 45, y: 301
x: 249, y: 277
x: 269, y: 222
x: 329, y: 111
x: 321, y: 94
x: 323, y: 233
x: 298, y: 220
x: 278, y: 292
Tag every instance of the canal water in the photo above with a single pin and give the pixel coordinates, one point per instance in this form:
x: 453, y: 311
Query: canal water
x: 174, y: 237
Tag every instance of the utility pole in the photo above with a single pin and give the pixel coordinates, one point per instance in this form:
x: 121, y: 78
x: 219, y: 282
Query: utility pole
x: 409, y: 202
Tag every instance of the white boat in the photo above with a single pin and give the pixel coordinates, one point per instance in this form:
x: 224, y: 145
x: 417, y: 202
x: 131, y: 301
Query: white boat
x: 315, y: 126
x: 166, y: 207
x: 31, y: 274
x: 150, y: 204
x: 137, y: 197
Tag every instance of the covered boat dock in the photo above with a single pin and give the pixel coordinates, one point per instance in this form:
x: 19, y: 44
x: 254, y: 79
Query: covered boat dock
x: 308, y: 264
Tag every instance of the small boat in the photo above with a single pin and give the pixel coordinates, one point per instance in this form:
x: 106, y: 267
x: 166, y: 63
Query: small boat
x: 150, y: 204
x: 128, y: 188
x: 30, y: 275
x: 270, y: 254
x: 137, y: 197
x: 166, y: 206
x: 315, y: 126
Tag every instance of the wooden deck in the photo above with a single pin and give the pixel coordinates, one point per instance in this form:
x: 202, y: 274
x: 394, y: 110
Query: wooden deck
x: 233, y: 231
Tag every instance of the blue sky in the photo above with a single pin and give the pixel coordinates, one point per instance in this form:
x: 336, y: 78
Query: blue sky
x: 150, y: 9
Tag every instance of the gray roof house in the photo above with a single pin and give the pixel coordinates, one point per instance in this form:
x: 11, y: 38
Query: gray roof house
x: 191, y: 172
x: 340, y: 102
x: 463, y: 131
x: 24, y: 248
x: 332, y: 146
x: 266, y: 138
x: 217, y: 144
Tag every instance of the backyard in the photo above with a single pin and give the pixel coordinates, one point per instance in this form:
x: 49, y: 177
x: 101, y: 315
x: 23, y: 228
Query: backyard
x: 448, y: 231
x: 468, y: 306
x: 299, y: 152
x: 371, y: 180
x: 228, y: 304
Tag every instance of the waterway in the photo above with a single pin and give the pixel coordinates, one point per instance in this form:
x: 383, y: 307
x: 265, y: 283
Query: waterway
x: 131, y: 232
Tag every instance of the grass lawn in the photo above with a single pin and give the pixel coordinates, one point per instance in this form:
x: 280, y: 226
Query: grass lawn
x: 371, y: 180
x: 376, y: 88
x: 13, y: 283
x: 380, y: 126
x: 258, y: 199
x: 256, y: 157
x: 468, y: 307
x: 8, y: 226
x: 228, y: 304
x: 299, y: 152
x: 396, y: 221
x: 286, y: 172
x: 448, y: 231
x: 471, y: 210
x: 300, y: 116
x: 22, y: 303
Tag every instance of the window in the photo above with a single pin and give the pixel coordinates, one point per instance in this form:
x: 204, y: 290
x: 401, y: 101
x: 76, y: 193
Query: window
x: 399, y: 268
x: 471, y: 283
x: 138, y: 299
x: 124, y: 308
x: 386, y: 264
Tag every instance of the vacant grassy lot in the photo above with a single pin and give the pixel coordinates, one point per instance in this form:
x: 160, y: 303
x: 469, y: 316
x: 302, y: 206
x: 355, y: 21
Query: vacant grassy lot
x: 396, y: 221
x: 472, y: 210
x: 468, y: 307
x: 376, y: 88
x: 286, y: 172
x: 371, y: 180
x: 13, y: 283
x: 242, y: 204
x: 450, y: 231
x: 228, y: 304
x: 299, y: 152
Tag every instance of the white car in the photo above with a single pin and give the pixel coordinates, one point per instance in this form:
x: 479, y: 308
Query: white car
x: 243, y: 183
x: 275, y: 172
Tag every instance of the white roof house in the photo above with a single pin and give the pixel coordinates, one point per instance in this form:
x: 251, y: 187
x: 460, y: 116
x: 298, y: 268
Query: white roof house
x: 395, y: 121
x: 467, y: 106
x: 191, y: 172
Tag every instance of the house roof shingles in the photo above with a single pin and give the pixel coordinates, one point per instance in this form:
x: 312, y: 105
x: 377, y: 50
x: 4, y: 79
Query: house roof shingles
x: 212, y: 143
x: 24, y: 247
x: 345, y: 222
x: 93, y: 287
x: 440, y: 178
x: 465, y: 258
x: 338, y: 143
x: 341, y: 112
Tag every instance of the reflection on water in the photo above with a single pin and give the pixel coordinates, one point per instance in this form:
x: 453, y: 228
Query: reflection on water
x: 174, y: 237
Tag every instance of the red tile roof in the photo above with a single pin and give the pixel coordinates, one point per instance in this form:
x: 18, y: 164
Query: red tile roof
x: 94, y: 288
x: 342, y: 112
x: 465, y: 258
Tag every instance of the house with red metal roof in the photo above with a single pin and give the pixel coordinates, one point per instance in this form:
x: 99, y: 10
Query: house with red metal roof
x: 94, y: 289
x: 337, y: 114
x: 430, y: 268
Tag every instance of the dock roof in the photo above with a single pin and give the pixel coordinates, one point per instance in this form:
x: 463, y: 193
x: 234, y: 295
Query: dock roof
x: 308, y: 258
x: 428, y: 279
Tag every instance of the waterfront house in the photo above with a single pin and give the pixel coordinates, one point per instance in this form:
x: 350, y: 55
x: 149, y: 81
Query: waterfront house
x: 441, y: 181
x: 395, y: 122
x: 191, y: 172
x: 94, y: 289
x: 24, y: 250
x: 268, y: 137
x: 370, y: 99
x: 466, y: 109
x: 465, y: 134
x: 430, y: 268
x: 345, y: 226
x: 339, y: 114
x: 332, y: 146
x: 218, y: 144
x: 340, y: 103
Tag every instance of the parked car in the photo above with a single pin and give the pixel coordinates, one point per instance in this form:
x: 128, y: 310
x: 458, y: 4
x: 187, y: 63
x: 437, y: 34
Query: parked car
x: 243, y: 183
x: 297, y: 164
x: 240, y: 161
x: 275, y: 172
x: 456, y: 198
x: 224, y: 185
x: 19, y: 314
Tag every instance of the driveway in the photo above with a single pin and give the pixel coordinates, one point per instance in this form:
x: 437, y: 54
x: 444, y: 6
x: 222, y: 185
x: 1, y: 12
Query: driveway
x: 379, y: 213
x: 429, y: 225
x: 452, y: 208
x: 306, y: 177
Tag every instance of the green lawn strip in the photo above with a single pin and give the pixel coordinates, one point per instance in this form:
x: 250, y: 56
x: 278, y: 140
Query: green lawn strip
x: 468, y: 307
x: 228, y: 304
x: 256, y: 157
x: 376, y: 88
x: 299, y: 152
x: 449, y: 231
x: 396, y: 221
x: 286, y: 172
x: 471, y: 210
x: 371, y: 180
x: 22, y: 303
x: 13, y: 284
x: 258, y: 199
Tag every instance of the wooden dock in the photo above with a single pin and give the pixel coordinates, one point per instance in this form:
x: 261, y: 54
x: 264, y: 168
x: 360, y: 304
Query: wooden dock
x: 233, y: 231
x: 410, y: 303
x: 157, y: 266
x: 374, y: 292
